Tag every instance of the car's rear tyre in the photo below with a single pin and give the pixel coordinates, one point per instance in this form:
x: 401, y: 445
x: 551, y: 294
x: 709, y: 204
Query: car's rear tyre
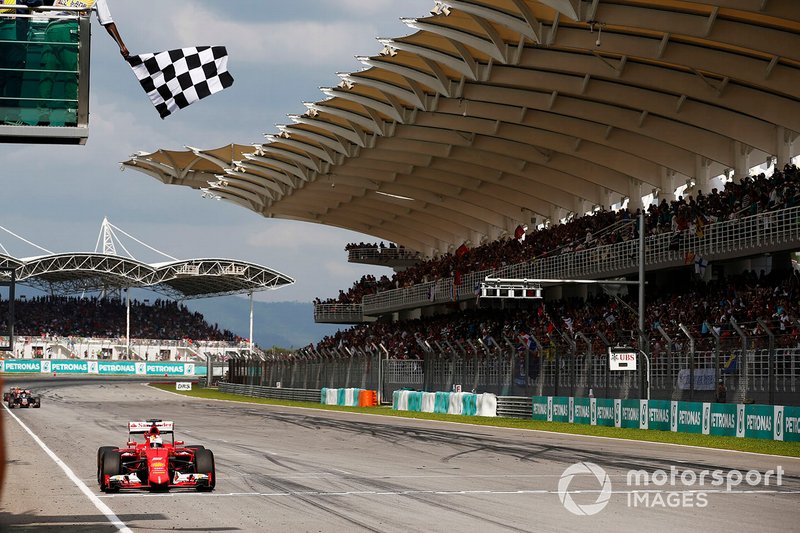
x: 111, y: 466
x: 100, y: 452
x: 204, y: 464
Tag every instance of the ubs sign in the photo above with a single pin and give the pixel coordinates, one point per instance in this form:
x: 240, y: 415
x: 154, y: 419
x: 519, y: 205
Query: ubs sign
x: 621, y: 358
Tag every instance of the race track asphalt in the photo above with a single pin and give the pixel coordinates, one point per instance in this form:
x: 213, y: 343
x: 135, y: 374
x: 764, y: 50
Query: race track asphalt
x: 294, y: 470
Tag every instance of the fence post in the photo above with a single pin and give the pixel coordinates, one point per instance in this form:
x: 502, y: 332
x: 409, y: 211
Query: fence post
x: 589, y: 361
x: 744, y: 378
x: 670, y: 362
x: 382, y: 372
x: 506, y: 387
x: 605, y: 366
x: 770, y: 361
x: 557, y: 358
x: 691, y: 359
x: 716, y: 352
x: 475, y: 365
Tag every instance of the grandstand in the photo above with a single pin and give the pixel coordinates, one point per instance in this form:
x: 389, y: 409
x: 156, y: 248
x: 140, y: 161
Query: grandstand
x: 568, y: 117
x: 66, y: 323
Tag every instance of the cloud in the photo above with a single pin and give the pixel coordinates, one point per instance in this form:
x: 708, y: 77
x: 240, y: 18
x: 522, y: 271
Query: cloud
x: 293, y: 42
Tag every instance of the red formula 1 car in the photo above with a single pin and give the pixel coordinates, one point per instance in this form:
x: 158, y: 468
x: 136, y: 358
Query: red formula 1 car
x: 155, y: 461
x: 18, y: 397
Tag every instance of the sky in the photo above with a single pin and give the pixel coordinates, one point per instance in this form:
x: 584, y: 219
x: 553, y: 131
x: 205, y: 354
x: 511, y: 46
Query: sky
x: 280, y: 53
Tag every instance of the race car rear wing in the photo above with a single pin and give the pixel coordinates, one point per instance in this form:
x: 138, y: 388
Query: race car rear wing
x: 137, y: 428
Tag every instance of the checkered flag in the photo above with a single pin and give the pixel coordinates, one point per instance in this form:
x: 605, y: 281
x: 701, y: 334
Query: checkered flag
x: 177, y: 78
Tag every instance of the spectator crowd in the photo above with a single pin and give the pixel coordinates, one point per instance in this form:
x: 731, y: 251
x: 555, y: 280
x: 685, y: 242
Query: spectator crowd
x: 751, y: 196
x: 704, y: 308
x: 106, y: 317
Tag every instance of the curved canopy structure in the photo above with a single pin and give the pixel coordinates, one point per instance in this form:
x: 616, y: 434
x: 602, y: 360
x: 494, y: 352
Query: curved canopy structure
x: 496, y: 113
x: 196, y: 278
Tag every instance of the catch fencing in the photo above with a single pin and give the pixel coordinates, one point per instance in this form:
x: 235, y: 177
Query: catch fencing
x: 683, y: 369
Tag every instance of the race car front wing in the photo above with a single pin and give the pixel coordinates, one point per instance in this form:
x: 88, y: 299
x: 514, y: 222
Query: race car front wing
x: 132, y: 481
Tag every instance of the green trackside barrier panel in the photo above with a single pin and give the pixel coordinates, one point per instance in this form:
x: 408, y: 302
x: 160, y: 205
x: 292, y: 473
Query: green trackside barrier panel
x: 169, y: 369
x: 560, y: 409
x: 658, y: 415
x: 115, y: 367
x: 340, y: 398
x: 441, y: 403
x: 791, y: 424
x: 469, y: 404
x: 630, y: 414
x: 688, y: 417
x: 539, y: 407
x: 603, y: 412
x: 323, y: 394
x: 582, y: 411
x: 69, y: 367
x: 415, y: 401
x: 723, y: 419
x: 759, y: 421
x: 21, y: 367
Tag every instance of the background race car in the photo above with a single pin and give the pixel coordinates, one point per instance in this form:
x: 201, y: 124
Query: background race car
x: 18, y: 397
x: 152, y: 459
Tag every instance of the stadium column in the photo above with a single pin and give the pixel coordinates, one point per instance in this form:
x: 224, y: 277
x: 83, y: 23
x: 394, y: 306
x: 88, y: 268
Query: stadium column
x: 702, y: 180
x: 669, y: 183
x: 784, y: 145
x: 741, y: 154
x: 634, y: 195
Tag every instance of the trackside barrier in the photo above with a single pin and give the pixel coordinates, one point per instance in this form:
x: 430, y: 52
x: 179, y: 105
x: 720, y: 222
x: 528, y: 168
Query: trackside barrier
x: 452, y: 403
x: 771, y: 422
x: 347, y: 397
x: 101, y: 368
x: 274, y: 393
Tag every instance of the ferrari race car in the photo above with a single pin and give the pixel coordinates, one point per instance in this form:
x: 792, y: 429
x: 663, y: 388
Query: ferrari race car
x: 152, y: 459
x: 17, y: 397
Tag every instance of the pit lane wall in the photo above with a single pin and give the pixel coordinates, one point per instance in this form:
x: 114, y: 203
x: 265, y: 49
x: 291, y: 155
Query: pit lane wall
x: 100, y: 368
x: 771, y: 422
x: 451, y: 403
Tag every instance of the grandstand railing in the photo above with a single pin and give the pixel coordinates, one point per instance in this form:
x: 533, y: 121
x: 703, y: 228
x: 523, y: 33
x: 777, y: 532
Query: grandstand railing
x: 762, y: 232
x: 115, y: 348
x: 379, y: 256
x: 338, y: 313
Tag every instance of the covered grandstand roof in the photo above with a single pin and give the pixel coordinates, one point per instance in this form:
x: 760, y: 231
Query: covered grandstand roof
x: 500, y: 112
x: 70, y: 273
x: 195, y: 278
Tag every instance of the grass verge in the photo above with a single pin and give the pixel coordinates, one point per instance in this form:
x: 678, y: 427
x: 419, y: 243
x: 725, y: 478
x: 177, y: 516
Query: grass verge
x: 788, y: 449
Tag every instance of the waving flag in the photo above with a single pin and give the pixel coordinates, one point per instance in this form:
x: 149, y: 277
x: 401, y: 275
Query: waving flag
x: 178, y: 78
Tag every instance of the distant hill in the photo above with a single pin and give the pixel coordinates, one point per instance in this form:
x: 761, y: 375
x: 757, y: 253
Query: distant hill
x: 282, y: 324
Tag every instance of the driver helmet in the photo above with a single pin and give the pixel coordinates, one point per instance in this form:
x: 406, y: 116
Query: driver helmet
x: 156, y: 441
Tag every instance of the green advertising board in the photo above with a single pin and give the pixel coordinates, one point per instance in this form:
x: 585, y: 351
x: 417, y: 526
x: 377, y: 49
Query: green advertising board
x: 723, y: 419
x: 69, y: 367
x: 115, y: 367
x: 630, y: 412
x: 689, y: 417
x: 582, y: 411
x: 658, y: 415
x: 539, y: 404
x: 560, y: 409
x: 21, y: 366
x: 759, y: 421
x: 791, y: 424
x: 604, y: 412
x: 170, y: 369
